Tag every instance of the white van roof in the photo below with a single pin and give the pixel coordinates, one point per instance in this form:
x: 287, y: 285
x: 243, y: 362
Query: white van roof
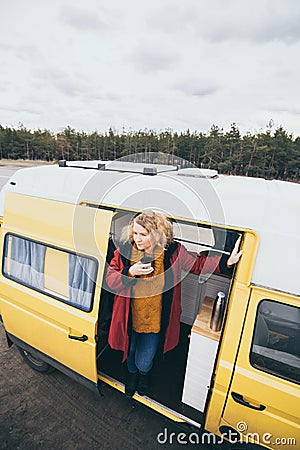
x: 271, y: 208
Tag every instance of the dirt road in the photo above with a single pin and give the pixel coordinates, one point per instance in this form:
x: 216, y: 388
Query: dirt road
x: 54, y: 412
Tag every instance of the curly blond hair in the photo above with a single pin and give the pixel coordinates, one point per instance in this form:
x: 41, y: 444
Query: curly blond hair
x: 158, y: 225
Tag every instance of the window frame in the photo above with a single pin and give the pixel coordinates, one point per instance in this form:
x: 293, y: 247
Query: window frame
x: 45, y: 292
x: 266, y: 369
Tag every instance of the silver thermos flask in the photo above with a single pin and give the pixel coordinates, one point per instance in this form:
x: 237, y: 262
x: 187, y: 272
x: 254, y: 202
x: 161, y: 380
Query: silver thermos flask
x: 218, y: 312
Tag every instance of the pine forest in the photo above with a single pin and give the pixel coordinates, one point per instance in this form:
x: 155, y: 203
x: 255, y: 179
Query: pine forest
x: 271, y: 154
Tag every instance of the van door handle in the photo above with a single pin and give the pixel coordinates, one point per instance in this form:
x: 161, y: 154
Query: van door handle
x: 78, y: 338
x: 239, y: 399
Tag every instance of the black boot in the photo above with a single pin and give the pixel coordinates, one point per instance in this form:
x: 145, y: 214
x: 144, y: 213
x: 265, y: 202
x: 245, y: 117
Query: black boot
x: 143, y: 384
x: 131, y: 384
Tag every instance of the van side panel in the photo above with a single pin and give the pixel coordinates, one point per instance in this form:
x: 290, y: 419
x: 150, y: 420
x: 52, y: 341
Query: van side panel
x: 49, y: 324
x: 264, y: 393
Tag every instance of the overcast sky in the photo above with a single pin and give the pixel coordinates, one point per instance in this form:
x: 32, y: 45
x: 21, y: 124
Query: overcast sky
x: 159, y: 64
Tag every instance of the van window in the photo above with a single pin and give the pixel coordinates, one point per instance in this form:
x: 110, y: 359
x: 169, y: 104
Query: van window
x: 194, y: 237
x: 64, y: 275
x: 275, y: 347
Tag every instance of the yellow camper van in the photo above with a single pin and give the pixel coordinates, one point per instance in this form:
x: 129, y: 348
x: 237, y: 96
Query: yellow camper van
x: 236, y: 370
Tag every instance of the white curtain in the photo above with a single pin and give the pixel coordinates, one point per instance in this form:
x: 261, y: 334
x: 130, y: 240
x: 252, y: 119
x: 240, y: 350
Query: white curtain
x: 27, y: 261
x: 82, y: 274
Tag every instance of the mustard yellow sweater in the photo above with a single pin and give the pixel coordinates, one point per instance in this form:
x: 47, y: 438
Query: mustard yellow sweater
x: 146, y: 303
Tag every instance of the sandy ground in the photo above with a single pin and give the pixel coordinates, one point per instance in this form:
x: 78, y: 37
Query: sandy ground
x: 54, y: 412
x: 22, y: 162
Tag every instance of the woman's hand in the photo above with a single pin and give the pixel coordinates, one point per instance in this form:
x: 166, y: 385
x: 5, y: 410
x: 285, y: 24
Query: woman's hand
x: 235, y: 254
x: 140, y: 268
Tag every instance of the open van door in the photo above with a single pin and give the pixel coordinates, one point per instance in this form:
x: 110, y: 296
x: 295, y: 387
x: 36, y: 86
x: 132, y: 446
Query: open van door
x: 52, y: 269
x: 263, y: 401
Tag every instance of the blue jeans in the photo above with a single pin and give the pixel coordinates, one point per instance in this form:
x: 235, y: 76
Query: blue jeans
x: 143, y: 347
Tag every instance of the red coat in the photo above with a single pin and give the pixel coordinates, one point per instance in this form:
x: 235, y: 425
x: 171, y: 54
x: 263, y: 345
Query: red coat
x: 176, y: 259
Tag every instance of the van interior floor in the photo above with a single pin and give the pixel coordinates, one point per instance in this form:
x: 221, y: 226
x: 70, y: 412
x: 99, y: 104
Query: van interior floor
x: 166, y: 376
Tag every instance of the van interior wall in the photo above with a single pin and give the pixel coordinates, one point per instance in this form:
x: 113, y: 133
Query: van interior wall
x: 119, y: 223
x: 195, y: 289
